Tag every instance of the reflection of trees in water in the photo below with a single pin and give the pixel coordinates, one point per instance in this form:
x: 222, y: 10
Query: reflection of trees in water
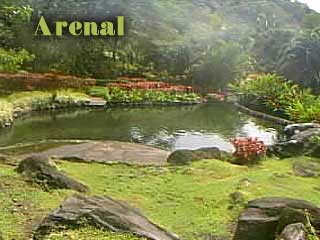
x: 156, y: 125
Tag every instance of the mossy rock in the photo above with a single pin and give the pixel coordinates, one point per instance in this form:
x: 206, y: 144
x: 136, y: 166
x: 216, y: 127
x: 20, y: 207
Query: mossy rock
x: 184, y: 157
x: 41, y: 171
x: 306, y: 168
x: 104, y: 213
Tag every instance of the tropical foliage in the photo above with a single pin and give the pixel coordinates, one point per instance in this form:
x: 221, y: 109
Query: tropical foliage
x: 219, y: 45
x: 281, y: 96
x: 12, y: 61
x: 12, y: 56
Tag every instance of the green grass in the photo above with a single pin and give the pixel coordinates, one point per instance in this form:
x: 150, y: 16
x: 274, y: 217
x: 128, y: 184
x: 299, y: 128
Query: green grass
x: 90, y: 233
x: 22, y: 204
x: 26, y: 102
x: 191, y: 201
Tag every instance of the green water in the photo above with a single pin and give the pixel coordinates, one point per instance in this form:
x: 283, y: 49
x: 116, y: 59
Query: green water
x: 187, y: 127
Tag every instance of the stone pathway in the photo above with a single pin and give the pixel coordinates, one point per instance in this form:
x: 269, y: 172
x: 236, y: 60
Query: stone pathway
x: 108, y: 152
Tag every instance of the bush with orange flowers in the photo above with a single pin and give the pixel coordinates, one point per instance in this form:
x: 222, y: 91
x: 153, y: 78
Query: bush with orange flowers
x: 10, y: 82
x: 150, y: 85
x: 248, y: 150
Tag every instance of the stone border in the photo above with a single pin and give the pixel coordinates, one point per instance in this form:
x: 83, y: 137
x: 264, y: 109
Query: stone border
x: 262, y: 115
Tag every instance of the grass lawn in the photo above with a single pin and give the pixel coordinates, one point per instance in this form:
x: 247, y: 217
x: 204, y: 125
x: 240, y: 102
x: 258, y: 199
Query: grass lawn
x: 192, y: 201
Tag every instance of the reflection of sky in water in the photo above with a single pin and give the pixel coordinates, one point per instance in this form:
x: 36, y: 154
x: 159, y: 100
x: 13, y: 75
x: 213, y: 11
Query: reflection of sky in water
x: 183, y: 139
x: 250, y: 129
x: 196, y: 140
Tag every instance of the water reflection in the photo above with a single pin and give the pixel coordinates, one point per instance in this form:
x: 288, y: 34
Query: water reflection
x: 188, y: 127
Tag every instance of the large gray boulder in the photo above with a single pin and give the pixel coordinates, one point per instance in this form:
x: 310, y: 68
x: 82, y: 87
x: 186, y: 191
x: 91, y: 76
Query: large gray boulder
x: 294, y: 129
x: 296, y: 231
x: 40, y: 170
x: 103, y: 213
x: 183, y: 157
x: 265, y: 218
x: 297, y: 141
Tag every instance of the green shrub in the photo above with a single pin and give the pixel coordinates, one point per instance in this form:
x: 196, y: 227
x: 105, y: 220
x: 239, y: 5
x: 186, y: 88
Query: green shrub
x: 12, y: 61
x: 117, y: 95
x: 279, y: 95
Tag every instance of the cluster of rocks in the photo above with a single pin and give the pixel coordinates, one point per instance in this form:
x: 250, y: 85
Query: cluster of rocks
x: 80, y: 210
x: 269, y: 218
x: 262, y: 219
x: 299, y: 139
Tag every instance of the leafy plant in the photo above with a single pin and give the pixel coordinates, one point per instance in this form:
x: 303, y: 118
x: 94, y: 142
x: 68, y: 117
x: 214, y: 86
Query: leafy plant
x: 12, y: 61
x: 279, y: 95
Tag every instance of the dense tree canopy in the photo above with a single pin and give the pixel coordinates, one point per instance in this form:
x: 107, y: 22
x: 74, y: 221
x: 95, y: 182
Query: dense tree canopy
x: 207, y: 43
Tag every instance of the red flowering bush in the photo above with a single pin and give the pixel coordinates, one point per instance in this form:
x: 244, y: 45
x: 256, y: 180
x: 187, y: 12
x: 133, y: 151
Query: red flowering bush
x: 130, y: 83
x: 248, y: 150
x: 42, y: 81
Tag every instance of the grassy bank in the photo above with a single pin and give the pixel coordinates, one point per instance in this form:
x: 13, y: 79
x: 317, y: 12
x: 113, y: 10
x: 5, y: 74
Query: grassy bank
x: 24, y: 102
x: 191, y: 201
x: 20, y: 103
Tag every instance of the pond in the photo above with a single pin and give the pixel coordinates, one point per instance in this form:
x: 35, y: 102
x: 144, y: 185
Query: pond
x: 183, y: 127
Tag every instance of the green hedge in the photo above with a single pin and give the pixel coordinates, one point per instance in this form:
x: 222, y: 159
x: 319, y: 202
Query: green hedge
x: 117, y: 95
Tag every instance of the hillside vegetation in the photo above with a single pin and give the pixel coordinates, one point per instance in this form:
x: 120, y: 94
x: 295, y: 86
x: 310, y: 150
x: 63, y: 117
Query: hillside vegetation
x: 207, y: 43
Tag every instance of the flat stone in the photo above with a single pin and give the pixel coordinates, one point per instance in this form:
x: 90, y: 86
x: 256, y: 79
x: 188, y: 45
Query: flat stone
x: 306, y: 169
x: 104, y: 213
x: 184, y: 157
x: 109, y: 152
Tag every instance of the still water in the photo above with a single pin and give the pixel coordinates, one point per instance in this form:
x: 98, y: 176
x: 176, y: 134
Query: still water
x: 187, y: 127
